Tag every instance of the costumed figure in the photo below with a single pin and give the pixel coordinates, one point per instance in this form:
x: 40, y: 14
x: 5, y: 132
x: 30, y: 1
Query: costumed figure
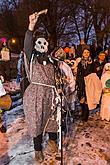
x: 66, y: 75
x: 39, y: 97
x: 66, y: 85
x: 73, y: 64
x: 69, y: 84
x: 88, y: 84
x: 105, y: 101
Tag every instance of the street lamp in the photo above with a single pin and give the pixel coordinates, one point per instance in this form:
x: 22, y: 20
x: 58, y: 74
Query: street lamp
x: 13, y: 44
x: 13, y: 41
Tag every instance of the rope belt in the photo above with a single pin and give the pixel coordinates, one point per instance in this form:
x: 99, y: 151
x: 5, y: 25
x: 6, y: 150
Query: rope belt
x: 53, y: 95
x: 51, y: 86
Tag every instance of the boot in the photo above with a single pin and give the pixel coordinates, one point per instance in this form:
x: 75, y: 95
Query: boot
x: 85, y: 112
x: 39, y: 157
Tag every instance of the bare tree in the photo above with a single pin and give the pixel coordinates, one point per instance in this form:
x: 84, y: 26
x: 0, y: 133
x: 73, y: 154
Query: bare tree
x: 101, y: 18
x: 65, y: 20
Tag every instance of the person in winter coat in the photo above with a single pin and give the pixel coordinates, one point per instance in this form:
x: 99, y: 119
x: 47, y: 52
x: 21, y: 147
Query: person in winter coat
x: 87, y: 82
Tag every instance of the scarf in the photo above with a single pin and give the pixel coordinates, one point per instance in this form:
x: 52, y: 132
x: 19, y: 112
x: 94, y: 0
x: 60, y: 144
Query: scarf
x: 86, y: 61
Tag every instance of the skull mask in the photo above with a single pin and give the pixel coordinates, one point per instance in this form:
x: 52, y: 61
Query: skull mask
x: 41, y: 45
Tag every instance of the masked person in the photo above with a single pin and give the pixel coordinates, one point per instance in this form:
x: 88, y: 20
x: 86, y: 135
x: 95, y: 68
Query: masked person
x: 39, y: 96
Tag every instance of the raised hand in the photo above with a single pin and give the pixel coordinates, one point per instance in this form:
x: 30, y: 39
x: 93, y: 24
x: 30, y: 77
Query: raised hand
x: 34, y: 17
x: 32, y: 20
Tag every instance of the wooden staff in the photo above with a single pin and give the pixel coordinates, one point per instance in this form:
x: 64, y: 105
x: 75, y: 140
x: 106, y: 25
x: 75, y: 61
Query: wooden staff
x: 41, y: 12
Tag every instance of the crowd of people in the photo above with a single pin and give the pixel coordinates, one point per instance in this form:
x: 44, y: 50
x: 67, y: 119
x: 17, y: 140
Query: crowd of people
x: 56, y: 80
x: 88, y: 69
x: 66, y: 72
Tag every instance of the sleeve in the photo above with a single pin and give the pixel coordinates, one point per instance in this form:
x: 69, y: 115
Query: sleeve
x: 28, y: 44
x: 80, y: 84
x: 94, y: 67
x: 71, y: 79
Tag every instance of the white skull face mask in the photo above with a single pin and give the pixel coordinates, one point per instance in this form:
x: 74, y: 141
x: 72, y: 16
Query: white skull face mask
x: 41, y: 45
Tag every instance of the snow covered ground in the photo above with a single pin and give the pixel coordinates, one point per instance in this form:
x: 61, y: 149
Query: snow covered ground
x: 89, y: 143
x: 16, y: 147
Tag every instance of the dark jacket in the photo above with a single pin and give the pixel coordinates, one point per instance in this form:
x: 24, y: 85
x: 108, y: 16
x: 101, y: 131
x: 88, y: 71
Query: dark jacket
x: 99, y: 67
x: 81, y: 73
